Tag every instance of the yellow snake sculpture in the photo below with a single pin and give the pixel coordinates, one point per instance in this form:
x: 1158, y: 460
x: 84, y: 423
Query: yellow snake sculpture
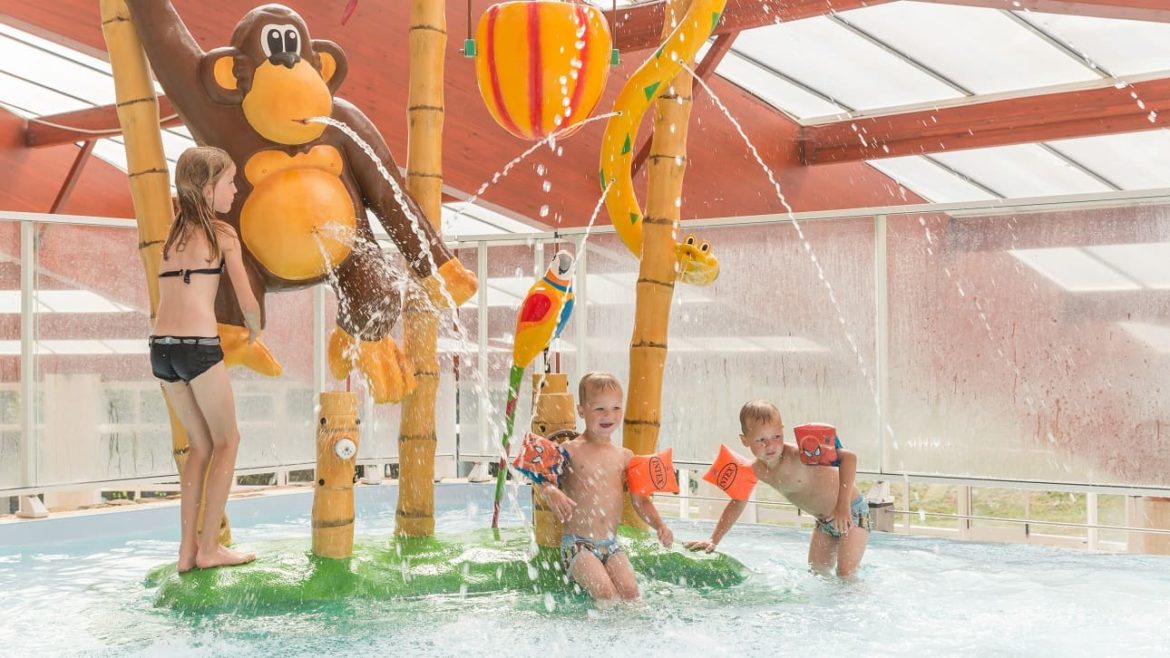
x: 695, y: 264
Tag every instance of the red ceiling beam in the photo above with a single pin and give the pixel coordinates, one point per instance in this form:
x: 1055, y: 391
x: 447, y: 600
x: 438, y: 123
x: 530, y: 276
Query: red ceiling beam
x: 73, y: 176
x: 86, y: 125
x: 1104, y: 110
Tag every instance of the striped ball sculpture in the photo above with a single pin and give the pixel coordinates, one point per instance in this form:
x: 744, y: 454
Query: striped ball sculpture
x: 541, y: 65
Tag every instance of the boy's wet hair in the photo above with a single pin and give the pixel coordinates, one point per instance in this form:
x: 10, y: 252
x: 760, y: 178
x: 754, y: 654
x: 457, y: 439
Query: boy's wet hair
x: 595, y: 382
x: 756, y: 411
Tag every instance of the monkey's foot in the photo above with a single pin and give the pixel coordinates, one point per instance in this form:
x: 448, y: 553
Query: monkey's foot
x: 388, y: 372
x: 695, y: 263
x: 237, y: 351
x: 459, y: 283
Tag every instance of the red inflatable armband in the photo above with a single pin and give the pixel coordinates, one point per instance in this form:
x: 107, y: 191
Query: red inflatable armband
x: 541, y: 460
x: 818, y: 444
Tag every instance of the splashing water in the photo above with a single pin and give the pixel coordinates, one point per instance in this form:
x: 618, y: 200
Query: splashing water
x: 464, y: 349
x: 808, y: 248
x: 463, y: 342
x: 384, y: 271
x: 550, y: 141
x: 1030, y: 397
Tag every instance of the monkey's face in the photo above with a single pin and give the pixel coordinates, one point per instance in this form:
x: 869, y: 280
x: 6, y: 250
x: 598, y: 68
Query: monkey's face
x: 284, y: 88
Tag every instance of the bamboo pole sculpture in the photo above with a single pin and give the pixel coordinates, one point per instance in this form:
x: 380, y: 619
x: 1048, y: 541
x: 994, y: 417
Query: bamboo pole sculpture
x: 337, y: 447
x: 150, y: 190
x: 420, y: 323
x: 656, y: 272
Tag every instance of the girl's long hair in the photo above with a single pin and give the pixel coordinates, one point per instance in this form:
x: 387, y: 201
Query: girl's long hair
x: 197, y: 168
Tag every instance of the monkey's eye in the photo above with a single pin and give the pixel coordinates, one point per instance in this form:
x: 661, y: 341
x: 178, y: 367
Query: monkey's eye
x: 280, y: 38
x: 291, y: 39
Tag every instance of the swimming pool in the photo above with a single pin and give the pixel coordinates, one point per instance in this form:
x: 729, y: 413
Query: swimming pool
x: 75, y: 586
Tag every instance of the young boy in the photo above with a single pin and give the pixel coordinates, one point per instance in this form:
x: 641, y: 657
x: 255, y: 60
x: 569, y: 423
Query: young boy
x: 590, y: 498
x: 827, y: 493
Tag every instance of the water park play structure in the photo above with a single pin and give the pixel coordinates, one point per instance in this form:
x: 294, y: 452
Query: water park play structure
x: 270, y: 98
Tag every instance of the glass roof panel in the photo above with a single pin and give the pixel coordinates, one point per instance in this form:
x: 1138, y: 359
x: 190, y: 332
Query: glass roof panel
x: 1024, y: 170
x: 1120, y: 47
x: 841, y: 64
x: 774, y: 90
x: 984, y: 50
x: 27, y: 99
x: 930, y: 181
x: 47, y: 68
x: 1134, y: 161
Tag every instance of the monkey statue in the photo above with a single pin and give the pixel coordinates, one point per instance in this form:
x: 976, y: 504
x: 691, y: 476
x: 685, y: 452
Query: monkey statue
x: 303, y: 187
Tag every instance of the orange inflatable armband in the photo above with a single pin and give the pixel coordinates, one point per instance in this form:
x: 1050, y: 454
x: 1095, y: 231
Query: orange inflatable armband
x: 733, y: 474
x: 648, y: 474
x: 818, y: 444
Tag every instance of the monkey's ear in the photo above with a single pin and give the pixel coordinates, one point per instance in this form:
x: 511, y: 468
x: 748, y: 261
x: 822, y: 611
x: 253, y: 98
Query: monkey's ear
x: 333, y: 63
x: 217, y: 71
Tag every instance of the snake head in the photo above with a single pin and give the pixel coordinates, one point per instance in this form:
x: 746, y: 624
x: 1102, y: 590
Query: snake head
x: 696, y: 264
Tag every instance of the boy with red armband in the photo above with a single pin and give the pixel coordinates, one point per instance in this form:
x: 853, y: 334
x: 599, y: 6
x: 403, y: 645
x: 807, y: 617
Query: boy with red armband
x: 816, y: 474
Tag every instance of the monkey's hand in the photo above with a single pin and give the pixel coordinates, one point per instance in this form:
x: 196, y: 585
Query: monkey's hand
x: 237, y: 351
x: 387, y: 370
x: 456, y: 280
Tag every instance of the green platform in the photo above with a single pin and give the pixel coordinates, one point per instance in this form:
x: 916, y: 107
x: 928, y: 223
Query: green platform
x: 286, y: 576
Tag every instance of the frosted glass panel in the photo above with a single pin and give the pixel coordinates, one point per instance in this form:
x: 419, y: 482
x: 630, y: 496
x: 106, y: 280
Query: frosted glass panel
x: 100, y: 413
x: 765, y: 329
x: 11, y: 457
x: 1023, y: 368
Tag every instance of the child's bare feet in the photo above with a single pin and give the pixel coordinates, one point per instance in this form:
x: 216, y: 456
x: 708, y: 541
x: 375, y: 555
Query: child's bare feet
x: 222, y: 557
x: 187, y: 558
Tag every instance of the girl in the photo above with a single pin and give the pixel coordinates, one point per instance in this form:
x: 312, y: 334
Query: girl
x: 185, y: 352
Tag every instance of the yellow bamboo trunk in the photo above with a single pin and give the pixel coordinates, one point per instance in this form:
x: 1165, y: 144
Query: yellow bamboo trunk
x: 424, y: 182
x: 656, y: 275
x: 554, y: 412
x: 147, y: 169
x: 337, y: 447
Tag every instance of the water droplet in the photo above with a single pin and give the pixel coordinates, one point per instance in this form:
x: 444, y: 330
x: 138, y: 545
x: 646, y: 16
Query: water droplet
x: 544, y: 210
x: 546, y: 186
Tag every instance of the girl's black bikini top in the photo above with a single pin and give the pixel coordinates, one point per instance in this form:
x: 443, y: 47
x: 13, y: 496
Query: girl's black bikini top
x: 186, y: 274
